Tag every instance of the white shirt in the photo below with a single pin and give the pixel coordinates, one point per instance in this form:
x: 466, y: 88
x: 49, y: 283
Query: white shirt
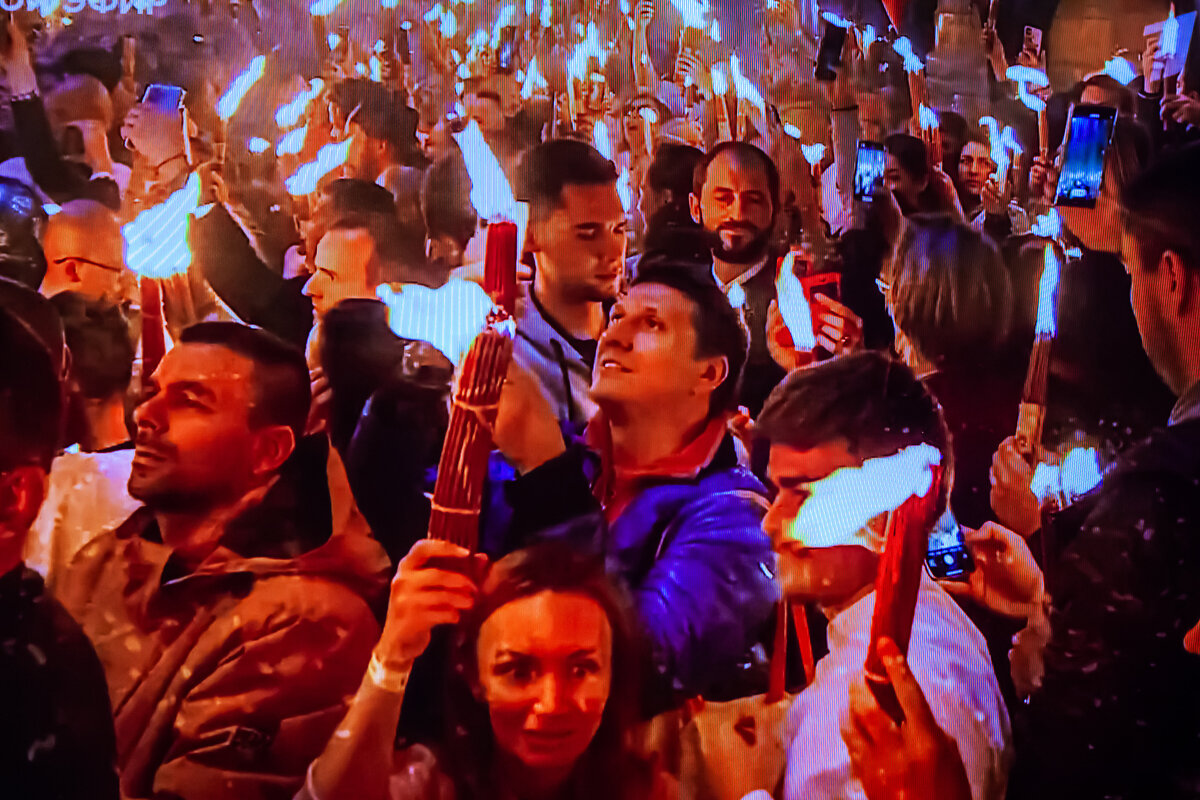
x: 949, y: 658
x: 87, y: 495
x: 733, y: 290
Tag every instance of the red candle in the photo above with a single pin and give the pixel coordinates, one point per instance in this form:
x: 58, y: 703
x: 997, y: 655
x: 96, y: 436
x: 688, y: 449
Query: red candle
x: 897, y: 584
x: 153, y: 341
x: 500, y: 264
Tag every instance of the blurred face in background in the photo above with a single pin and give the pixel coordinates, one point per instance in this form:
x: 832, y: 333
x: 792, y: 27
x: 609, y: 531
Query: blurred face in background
x: 342, y: 270
x: 736, y: 208
x: 975, y: 166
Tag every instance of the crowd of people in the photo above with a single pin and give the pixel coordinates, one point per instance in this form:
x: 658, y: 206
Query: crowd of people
x: 219, y: 569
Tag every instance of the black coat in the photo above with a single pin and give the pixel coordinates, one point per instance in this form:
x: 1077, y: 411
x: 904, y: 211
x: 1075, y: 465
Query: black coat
x: 56, y: 738
x: 1118, y: 714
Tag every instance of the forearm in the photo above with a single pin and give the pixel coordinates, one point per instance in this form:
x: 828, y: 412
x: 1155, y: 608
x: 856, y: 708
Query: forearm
x: 356, y: 763
x: 643, y: 68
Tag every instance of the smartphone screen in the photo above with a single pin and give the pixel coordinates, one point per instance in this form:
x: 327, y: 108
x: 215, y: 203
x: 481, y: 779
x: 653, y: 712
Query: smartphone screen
x: 868, y: 170
x: 1089, y: 131
x: 504, y: 53
x: 829, y: 55
x: 948, y: 557
x: 402, y: 45
x: 168, y: 98
x: 1032, y: 42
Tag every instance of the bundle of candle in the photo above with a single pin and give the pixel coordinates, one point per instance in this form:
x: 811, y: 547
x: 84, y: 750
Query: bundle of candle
x: 499, y: 272
x: 1032, y: 412
x: 458, y: 492
x: 899, y: 580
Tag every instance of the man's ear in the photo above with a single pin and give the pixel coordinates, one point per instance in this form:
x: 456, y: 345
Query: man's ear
x: 71, y: 269
x: 714, y: 373
x: 1182, y: 283
x: 22, y: 491
x: 274, y: 445
x: 694, y: 205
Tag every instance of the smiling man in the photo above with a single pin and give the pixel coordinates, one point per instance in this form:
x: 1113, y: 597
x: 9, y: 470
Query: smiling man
x: 229, y: 635
x: 819, y: 420
x: 577, y: 238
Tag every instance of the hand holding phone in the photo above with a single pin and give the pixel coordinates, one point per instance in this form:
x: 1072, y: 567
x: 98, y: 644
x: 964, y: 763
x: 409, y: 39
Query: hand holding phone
x: 829, y: 54
x: 1007, y: 578
x: 1089, y: 133
x: 948, y: 557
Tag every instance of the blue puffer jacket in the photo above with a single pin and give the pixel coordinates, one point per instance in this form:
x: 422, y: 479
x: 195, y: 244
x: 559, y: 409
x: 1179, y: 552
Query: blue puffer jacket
x: 691, y: 551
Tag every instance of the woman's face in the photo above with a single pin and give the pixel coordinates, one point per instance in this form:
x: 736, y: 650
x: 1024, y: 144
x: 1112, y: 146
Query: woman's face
x: 545, y: 668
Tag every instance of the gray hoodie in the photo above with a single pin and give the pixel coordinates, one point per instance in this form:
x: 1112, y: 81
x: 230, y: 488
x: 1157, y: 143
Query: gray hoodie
x: 563, y: 372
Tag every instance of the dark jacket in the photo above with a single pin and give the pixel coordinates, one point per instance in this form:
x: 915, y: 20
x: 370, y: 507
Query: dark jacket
x: 252, y: 290
x: 56, y: 740
x: 63, y: 180
x: 1118, y: 714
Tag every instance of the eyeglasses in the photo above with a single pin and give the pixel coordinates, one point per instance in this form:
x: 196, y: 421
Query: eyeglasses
x: 87, y: 261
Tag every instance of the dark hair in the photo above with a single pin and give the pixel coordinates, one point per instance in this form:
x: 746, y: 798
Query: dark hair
x: 31, y: 397
x: 282, y: 393
x: 607, y: 768
x: 719, y: 328
x: 869, y: 399
x: 101, y: 348
x: 21, y: 223
x: 378, y: 112
x: 38, y: 314
x: 1107, y: 83
x: 399, y: 256
x: 911, y: 154
x: 950, y: 293
x: 545, y: 169
x: 446, y: 199
x: 742, y: 152
x: 674, y: 168
x: 1160, y: 207
x: 354, y: 196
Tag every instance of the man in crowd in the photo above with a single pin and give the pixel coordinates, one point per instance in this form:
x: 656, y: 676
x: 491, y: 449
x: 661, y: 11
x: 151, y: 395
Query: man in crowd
x: 658, y: 462
x: 85, y: 253
x: 1115, y: 714
x: 826, y: 418
x: 87, y: 492
x: 229, y: 634
x: 57, y: 736
x: 577, y: 239
x: 381, y: 131
x: 355, y: 255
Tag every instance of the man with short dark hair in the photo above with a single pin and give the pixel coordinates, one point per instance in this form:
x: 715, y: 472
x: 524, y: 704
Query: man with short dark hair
x: 57, y: 736
x: 230, y: 632
x: 577, y: 238
x: 829, y: 420
x: 660, y: 465
x: 381, y: 129
x: 355, y: 255
x: 1117, y: 714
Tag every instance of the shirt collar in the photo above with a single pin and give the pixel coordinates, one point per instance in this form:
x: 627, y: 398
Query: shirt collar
x: 1187, y: 407
x: 740, y: 279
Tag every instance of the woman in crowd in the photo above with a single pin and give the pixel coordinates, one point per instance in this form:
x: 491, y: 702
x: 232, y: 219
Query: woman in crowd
x: 543, y: 689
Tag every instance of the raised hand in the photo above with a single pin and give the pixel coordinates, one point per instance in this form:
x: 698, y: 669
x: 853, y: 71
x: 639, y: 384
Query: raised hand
x: 1006, y: 579
x: 1012, y: 499
x: 434, y: 585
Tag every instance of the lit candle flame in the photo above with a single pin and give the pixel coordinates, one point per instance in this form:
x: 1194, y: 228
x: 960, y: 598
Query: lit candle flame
x: 156, y: 240
x: 329, y: 158
x: 793, y: 306
x: 791, y: 130
x: 584, y: 51
x: 600, y: 139
x: 290, y: 113
x: 1048, y: 295
x: 928, y: 118
x: 868, y: 37
x: 333, y: 40
x: 547, y: 14
x: 449, y: 317
x: 714, y: 31
x: 503, y: 20
x: 840, y: 506
x: 292, y: 142
x: 694, y: 13
x: 533, y: 80
x: 1026, y: 77
x: 745, y: 89
x: 1120, y: 70
x: 912, y: 63
x: 649, y: 118
x: 258, y: 145
x: 323, y: 8
x: 1004, y: 146
x: 1077, y: 475
x: 1048, y: 225
x: 1168, y: 43
x: 229, y: 102
x: 491, y: 194
x: 834, y: 19
x: 719, y: 84
x: 814, y: 154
